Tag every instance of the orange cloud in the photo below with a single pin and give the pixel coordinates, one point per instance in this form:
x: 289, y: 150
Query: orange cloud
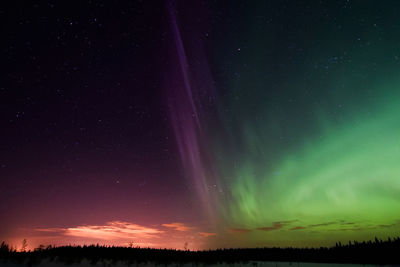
x: 120, y: 233
x: 206, y: 234
x: 110, y: 231
x: 178, y: 226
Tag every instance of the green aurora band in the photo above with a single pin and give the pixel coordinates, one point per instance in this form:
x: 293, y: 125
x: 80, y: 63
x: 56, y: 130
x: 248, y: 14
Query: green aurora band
x: 342, y: 185
x: 315, y: 158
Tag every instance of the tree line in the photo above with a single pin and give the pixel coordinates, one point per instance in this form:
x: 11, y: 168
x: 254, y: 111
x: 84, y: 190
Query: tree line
x: 367, y: 252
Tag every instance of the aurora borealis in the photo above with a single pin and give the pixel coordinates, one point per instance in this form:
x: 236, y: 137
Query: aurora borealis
x: 197, y: 125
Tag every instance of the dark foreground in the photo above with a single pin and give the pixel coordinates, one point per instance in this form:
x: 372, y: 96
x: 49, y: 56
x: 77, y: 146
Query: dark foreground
x: 376, y: 252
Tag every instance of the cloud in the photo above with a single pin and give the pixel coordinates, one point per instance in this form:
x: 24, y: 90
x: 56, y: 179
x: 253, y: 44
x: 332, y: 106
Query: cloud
x: 352, y: 226
x: 206, y: 234
x: 110, y: 231
x: 396, y: 223
x: 178, y: 226
x: 239, y: 230
x: 297, y: 228
x: 355, y: 229
x: 313, y: 225
x: 121, y: 233
x: 275, y: 226
x: 321, y: 224
x: 51, y: 230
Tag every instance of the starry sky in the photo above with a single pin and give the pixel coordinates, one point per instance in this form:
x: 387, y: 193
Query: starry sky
x: 199, y: 124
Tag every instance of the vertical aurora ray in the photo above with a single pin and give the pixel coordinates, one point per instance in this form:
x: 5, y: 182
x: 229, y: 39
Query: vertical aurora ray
x: 183, y: 98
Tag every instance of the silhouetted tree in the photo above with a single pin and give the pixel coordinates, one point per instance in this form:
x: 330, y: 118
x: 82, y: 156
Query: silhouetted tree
x: 24, y: 245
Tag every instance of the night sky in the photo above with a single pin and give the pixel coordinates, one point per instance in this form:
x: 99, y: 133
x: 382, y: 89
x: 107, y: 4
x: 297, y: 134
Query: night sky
x: 199, y: 124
